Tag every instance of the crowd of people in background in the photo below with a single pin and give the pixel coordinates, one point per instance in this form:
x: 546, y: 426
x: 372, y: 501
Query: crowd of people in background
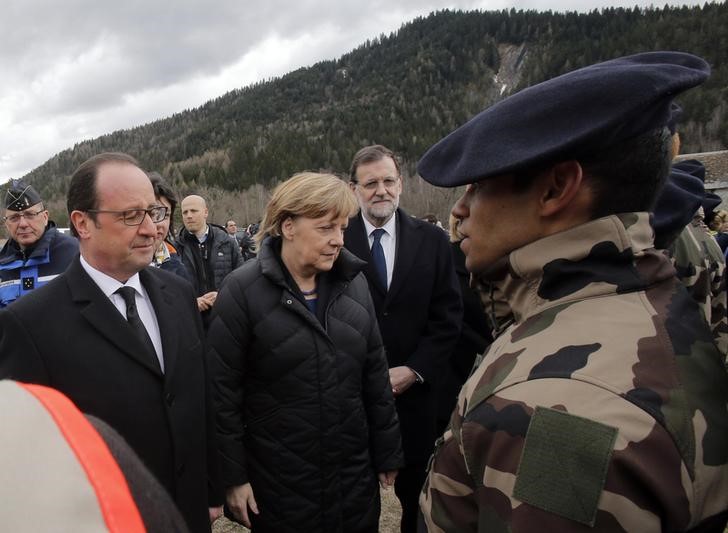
x: 552, y: 359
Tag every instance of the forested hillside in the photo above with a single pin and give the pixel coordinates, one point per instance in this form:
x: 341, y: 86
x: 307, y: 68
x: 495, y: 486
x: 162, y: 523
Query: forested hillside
x: 405, y: 90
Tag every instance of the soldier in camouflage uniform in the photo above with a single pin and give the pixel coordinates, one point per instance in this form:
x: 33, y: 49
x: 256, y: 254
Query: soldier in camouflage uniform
x: 696, y: 256
x: 603, y: 405
x: 700, y: 265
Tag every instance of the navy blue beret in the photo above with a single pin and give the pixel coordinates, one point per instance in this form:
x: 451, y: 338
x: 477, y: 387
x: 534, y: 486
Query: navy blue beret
x: 571, y: 115
x: 710, y: 202
x: 692, y: 167
x: 20, y: 196
x: 679, y: 199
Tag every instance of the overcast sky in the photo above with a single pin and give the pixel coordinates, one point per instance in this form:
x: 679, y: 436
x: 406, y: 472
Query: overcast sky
x: 78, y: 69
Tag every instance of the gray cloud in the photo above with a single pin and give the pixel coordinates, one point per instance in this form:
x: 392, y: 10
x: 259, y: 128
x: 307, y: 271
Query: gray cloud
x: 80, y: 68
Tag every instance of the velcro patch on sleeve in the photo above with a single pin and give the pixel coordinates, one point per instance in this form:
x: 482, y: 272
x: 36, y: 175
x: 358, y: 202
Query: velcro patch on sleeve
x: 564, y: 464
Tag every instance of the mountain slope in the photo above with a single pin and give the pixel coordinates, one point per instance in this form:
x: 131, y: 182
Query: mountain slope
x: 406, y: 90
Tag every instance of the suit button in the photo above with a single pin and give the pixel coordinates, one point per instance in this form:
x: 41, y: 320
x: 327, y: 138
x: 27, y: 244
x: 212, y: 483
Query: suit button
x: 169, y: 398
x: 180, y: 469
x: 385, y: 314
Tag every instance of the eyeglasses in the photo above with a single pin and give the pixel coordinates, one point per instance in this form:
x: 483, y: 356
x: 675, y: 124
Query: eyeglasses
x: 371, y: 186
x: 30, y: 216
x: 134, y: 217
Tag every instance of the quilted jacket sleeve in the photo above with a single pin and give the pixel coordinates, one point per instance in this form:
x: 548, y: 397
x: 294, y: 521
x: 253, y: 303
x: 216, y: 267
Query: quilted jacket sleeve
x: 386, y: 442
x: 228, y: 340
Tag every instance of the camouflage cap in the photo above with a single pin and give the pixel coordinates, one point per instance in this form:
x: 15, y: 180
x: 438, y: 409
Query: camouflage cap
x: 20, y: 196
x: 572, y: 115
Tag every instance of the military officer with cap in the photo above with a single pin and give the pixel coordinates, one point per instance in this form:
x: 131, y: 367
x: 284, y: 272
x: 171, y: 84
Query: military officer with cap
x: 603, y: 404
x: 36, y: 251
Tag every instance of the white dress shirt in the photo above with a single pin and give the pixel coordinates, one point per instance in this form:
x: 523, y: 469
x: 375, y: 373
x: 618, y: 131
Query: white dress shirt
x: 388, y: 241
x: 109, y: 286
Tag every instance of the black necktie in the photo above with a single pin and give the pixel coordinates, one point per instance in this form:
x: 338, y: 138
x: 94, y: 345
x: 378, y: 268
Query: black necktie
x: 380, y: 263
x: 132, y: 316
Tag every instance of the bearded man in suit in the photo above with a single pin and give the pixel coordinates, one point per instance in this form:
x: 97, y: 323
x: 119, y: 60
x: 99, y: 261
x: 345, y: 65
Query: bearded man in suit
x: 419, y: 309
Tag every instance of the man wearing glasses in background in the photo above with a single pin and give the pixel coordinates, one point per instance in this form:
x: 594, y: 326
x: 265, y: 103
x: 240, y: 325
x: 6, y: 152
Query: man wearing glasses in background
x: 36, y: 252
x: 121, y: 339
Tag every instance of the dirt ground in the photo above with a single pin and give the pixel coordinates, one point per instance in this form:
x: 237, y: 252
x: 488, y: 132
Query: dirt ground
x: 388, y: 521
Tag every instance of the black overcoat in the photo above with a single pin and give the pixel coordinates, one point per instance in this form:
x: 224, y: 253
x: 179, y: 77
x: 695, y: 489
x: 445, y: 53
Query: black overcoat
x: 419, y: 318
x: 69, y: 336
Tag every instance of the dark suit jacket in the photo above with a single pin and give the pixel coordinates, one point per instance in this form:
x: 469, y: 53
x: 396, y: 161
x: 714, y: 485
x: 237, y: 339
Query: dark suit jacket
x: 474, y: 338
x: 419, y: 317
x: 69, y: 336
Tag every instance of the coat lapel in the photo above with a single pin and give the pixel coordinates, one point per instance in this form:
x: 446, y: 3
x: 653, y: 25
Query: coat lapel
x: 101, y: 314
x: 409, y: 239
x: 164, y: 309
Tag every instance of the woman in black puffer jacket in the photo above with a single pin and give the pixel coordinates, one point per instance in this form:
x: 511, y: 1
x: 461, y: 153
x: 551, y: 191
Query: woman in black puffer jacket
x: 306, y: 418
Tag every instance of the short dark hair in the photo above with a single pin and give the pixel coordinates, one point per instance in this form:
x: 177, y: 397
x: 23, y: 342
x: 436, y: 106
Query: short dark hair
x: 82, y: 190
x: 371, y: 154
x: 628, y: 175
x: 162, y: 189
x: 625, y: 177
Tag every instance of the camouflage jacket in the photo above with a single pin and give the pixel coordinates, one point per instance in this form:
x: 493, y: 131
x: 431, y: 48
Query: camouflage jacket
x: 700, y: 265
x: 604, y: 404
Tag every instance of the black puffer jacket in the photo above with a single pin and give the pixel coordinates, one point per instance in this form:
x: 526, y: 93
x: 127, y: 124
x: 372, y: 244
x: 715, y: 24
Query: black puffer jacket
x: 305, y: 414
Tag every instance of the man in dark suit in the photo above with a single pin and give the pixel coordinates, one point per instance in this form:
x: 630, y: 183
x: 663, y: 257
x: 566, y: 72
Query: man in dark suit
x: 416, y: 295
x: 123, y: 340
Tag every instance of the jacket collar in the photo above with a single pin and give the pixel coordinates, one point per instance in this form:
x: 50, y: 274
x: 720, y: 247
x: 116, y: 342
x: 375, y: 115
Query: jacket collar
x: 332, y: 283
x: 345, y: 268
x: 12, y: 252
x: 609, y: 255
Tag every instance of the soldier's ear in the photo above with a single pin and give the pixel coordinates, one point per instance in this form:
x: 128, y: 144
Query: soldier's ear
x: 561, y: 188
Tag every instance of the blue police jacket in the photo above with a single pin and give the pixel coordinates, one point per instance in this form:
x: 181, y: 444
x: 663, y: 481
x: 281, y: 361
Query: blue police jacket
x: 21, y: 271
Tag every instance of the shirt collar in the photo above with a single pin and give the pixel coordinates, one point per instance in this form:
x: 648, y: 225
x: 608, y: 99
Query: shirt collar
x: 390, y: 227
x: 203, y: 236
x: 107, y: 284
